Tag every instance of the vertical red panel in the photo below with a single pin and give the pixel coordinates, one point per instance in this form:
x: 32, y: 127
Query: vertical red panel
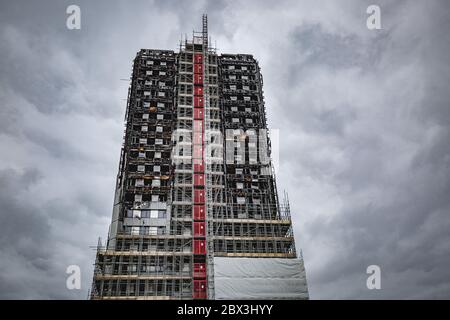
x: 198, y: 58
x: 198, y: 138
x: 198, y: 101
x: 199, y: 212
x: 198, y: 91
x: 199, y: 167
x: 199, y: 246
x: 198, y: 126
x: 199, y: 229
x: 199, y: 270
x: 198, y: 79
x: 199, y: 179
x: 199, y: 289
x: 198, y: 113
x: 198, y: 152
x: 199, y: 196
x: 198, y: 68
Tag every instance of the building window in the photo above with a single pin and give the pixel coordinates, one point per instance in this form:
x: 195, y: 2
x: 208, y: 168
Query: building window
x: 160, y: 116
x: 157, y: 168
x: 146, y: 93
x: 144, y: 128
x: 136, y: 213
x: 156, y: 183
x: 159, y: 129
x: 161, y: 94
x: 154, y: 214
x: 157, y: 155
x: 160, y: 105
x: 141, y: 168
x: 162, y: 73
x: 142, y: 141
x: 139, y: 183
x: 239, y: 185
x: 240, y: 200
x: 138, y: 197
x: 145, y: 116
x: 158, y: 141
x: 155, y: 198
x: 141, y: 155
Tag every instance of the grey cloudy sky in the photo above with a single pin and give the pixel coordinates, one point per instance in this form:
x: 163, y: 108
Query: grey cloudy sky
x: 364, y: 133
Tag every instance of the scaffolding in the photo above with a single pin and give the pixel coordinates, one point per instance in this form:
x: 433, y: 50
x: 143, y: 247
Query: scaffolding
x: 148, y: 254
x: 255, y: 223
x: 179, y: 202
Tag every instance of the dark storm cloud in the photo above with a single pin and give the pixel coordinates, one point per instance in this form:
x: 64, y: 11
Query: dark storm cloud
x: 364, y: 118
x: 372, y: 118
x: 23, y: 237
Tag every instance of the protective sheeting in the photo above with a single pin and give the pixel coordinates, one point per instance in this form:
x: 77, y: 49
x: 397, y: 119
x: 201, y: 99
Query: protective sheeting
x: 259, y: 278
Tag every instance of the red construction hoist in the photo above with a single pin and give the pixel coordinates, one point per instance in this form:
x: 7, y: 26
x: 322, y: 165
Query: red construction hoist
x: 199, y: 225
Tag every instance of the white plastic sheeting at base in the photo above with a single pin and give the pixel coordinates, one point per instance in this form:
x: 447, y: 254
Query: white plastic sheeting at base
x: 259, y: 278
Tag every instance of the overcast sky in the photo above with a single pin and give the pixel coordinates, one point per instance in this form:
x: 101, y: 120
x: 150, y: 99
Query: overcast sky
x: 363, y: 115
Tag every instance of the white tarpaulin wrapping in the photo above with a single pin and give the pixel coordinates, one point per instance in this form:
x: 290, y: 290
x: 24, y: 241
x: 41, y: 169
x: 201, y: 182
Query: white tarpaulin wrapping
x: 259, y: 278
